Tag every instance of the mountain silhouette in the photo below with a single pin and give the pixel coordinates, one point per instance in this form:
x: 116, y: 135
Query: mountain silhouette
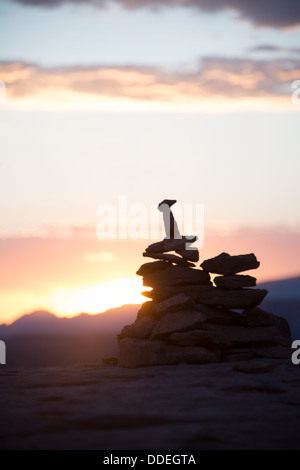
x: 43, y: 322
x: 283, y: 299
x: 41, y: 338
x: 283, y: 289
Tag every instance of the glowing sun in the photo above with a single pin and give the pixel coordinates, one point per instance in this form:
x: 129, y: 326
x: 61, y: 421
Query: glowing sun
x: 97, y: 297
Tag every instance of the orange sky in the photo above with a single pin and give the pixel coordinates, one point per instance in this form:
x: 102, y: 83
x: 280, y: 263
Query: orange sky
x: 79, y: 272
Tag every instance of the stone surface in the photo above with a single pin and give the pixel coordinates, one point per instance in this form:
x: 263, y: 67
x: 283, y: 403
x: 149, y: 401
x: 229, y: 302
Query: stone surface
x: 175, y: 303
x: 276, y: 352
x: 152, y: 266
x: 146, y: 310
x: 140, y: 353
x: 191, y: 338
x: 172, y: 304
x: 167, y: 202
x: 177, y: 321
x: 176, y: 276
x: 234, y: 282
x: 217, y: 336
x: 209, y: 295
x: 220, y: 315
x: 246, y: 405
x: 232, y: 355
x: 169, y: 257
x: 224, y: 337
x: 258, y: 317
x: 242, y: 334
x: 141, y: 328
x: 137, y: 353
x: 110, y: 361
x: 190, y: 255
x: 170, y: 244
x: 227, y: 265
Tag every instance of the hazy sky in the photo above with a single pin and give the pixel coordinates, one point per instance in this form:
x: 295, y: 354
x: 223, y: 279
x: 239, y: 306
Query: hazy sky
x: 186, y: 99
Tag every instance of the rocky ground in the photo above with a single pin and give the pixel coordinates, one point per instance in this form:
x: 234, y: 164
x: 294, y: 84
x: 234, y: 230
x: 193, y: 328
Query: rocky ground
x: 240, y: 405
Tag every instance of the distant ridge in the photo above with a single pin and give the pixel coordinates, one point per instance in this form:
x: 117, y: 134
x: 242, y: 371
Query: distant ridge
x: 283, y: 289
x: 282, y: 294
x: 283, y: 299
x: 41, y: 338
x: 44, y: 322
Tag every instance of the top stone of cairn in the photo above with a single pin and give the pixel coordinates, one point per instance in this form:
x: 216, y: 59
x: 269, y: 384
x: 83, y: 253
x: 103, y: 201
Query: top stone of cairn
x: 227, y: 265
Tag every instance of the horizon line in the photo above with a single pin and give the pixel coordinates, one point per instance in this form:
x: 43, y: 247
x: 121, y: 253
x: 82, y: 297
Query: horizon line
x: 77, y: 314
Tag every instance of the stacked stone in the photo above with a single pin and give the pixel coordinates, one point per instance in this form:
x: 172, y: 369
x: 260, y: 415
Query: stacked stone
x: 190, y: 320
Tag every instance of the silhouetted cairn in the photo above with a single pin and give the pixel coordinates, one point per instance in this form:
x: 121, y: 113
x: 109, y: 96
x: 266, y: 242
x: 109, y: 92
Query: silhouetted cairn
x: 189, y: 320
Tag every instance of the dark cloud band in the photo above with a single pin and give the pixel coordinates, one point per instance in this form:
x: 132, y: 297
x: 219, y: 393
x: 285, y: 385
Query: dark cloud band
x: 270, y: 48
x: 271, y: 13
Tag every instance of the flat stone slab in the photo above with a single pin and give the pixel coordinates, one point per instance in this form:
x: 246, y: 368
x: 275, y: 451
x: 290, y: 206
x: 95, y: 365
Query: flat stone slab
x: 177, y: 321
x: 209, y: 295
x: 247, y: 405
x: 227, y: 264
x: 236, y: 281
x: 176, y: 276
x: 172, y: 304
x: 216, y: 336
x: 190, y: 255
x: 169, y: 257
x: 221, y: 316
x: 141, y: 328
x: 138, y: 353
x: 151, y: 267
x: 258, y: 317
x: 170, y: 244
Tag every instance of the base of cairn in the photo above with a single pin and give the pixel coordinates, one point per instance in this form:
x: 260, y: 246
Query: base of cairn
x: 190, y: 320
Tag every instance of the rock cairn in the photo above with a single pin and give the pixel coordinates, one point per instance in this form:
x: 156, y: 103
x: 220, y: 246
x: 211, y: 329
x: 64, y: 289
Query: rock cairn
x: 191, y: 320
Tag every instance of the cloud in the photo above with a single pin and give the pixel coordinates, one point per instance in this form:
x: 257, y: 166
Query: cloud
x: 273, y: 48
x: 270, y: 13
x: 217, y: 80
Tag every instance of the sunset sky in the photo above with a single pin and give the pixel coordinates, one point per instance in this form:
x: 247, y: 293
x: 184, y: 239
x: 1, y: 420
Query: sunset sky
x: 145, y: 100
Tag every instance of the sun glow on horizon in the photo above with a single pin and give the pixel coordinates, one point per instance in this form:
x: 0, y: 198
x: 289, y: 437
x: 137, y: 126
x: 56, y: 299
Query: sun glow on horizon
x: 96, y: 298
x: 71, y: 301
